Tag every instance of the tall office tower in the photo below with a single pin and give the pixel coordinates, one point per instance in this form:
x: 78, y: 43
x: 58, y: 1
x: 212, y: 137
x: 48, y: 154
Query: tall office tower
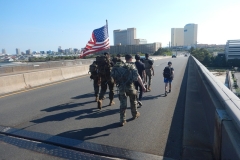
x: 120, y: 37
x: 28, y: 51
x: 190, y: 34
x: 3, y: 51
x: 177, y: 37
x: 124, y: 37
x: 18, y: 51
x: 131, y: 35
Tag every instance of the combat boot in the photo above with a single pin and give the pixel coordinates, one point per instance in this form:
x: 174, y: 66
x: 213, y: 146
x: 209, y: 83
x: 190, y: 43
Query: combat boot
x: 96, y: 99
x: 146, y: 87
x: 99, y: 104
x: 136, y: 116
x: 111, y: 103
x: 149, y: 89
x: 123, y: 123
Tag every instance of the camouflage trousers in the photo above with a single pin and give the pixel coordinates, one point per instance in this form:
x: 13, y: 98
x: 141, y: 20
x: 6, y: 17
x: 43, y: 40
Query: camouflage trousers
x: 96, y: 86
x: 148, y: 76
x: 107, y: 81
x: 132, y: 94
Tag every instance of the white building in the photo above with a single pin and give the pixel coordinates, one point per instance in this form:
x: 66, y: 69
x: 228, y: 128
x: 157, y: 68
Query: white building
x: 177, y: 37
x: 232, y: 49
x: 140, y: 41
x: 124, y: 37
x: 190, y: 34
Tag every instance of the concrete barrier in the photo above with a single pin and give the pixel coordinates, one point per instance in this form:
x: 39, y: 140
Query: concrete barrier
x: 22, y: 68
x: 33, y: 79
x: 70, y: 72
x: 222, y: 110
x: 11, y: 83
x: 54, y: 64
x: 4, y: 70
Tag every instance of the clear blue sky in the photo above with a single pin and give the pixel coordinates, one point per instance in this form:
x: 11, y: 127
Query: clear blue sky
x: 47, y: 24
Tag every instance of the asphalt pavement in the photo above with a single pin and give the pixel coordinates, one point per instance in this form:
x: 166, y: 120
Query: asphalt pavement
x: 67, y: 109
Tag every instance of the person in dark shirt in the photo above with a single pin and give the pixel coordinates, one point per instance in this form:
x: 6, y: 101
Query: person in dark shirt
x: 141, y: 71
x: 168, y: 74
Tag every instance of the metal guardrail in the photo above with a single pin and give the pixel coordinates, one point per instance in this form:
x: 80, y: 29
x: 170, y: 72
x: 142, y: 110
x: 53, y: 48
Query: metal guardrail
x: 228, y: 99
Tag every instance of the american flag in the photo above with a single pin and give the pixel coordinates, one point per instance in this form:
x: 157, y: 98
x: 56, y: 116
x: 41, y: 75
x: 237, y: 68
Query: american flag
x: 99, y: 41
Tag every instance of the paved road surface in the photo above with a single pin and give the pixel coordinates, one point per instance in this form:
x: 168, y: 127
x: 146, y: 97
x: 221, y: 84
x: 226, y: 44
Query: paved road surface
x: 68, y: 109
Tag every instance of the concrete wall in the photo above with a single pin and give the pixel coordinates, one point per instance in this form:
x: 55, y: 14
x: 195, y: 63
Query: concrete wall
x: 43, y: 65
x: 222, y: 110
x: 16, y: 82
x: 12, y: 83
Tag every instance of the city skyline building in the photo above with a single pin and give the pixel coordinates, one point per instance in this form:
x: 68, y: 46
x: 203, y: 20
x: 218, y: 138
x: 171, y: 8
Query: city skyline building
x: 190, y: 34
x: 28, y: 51
x: 131, y: 36
x: 18, y: 51
x: 124, y: 37
x: 3, y: 51
x: 177, y: 37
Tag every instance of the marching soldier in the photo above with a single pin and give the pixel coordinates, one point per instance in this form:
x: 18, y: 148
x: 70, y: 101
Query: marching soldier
x: 149, y: 71
x: 104, y: 69
x: 125, y: 74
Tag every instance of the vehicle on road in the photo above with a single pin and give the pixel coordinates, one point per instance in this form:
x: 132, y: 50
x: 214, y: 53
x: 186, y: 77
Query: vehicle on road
x: 185, y: 55
x: 174, y: 56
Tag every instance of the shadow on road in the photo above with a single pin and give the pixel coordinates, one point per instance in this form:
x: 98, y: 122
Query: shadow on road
x: 88, y: 133
x: 98, y: 114
x: 65, y: 106
x: 64, y: 115
x: 87, y: 95
x: 173, y: 147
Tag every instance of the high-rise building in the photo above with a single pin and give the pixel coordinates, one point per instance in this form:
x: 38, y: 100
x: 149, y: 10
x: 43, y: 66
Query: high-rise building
x: 124, y: 37
x: 18, y: 51
x: 177, y: 37
x: 131, y: 35
x: 3, y: 51
x: 28, y: 51
x: 190, y: 34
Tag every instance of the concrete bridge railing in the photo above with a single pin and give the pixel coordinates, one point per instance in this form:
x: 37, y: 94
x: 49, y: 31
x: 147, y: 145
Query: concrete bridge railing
x: 222, y: 110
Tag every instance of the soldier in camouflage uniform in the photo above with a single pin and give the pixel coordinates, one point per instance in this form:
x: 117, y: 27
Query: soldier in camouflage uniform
x: 149, y: 71
x: 127, y: 88
x: 94, y: 77
x: 106, y: 80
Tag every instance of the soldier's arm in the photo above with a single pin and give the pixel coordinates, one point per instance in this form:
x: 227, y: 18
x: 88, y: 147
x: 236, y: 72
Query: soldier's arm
x: 144, y: 76
x: 152, y: 70
x: 141, y: 83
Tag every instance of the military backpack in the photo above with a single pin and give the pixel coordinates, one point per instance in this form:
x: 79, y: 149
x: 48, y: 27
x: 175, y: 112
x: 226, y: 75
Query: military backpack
x: 124, y: 73
x: 148, y: 64
x: 104, y: 66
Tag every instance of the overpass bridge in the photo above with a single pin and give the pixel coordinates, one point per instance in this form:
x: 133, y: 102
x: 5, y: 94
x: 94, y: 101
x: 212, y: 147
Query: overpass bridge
x: 199, y: 119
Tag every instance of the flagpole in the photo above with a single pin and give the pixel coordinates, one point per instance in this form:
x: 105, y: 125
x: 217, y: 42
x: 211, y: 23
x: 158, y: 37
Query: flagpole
x: 107, y: 32
x: 107, y: 25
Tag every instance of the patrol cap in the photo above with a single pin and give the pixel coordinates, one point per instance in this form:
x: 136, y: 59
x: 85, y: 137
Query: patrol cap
x: 137, y: 57
x: 128, y: 56
x: 146, y: 55
x: 118, y: 55
x: 169, y: 62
